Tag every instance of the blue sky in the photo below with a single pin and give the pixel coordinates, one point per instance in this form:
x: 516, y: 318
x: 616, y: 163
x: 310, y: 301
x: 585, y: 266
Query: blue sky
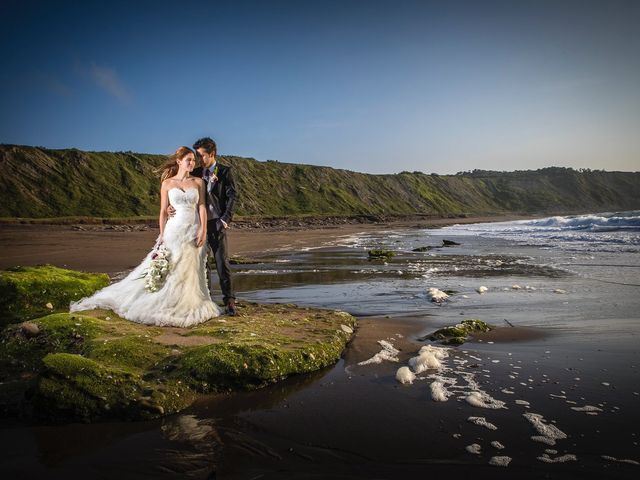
x: 372, y: 86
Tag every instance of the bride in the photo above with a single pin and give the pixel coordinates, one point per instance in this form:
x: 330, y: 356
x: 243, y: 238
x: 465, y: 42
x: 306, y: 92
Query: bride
x: 184, y: 298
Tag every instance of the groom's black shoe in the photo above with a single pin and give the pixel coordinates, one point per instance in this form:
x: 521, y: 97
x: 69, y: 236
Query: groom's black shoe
x: 231, y: 309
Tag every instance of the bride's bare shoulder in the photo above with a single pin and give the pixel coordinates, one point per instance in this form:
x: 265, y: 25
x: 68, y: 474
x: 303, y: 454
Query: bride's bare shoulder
x: 166, y: 183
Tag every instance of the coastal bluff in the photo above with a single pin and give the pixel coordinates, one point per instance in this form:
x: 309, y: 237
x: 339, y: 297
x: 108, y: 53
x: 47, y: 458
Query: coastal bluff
x: 48, y: 184
x: 94, y: 365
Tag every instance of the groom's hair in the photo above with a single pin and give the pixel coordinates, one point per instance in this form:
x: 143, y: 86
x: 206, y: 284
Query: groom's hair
x: 208, y: 144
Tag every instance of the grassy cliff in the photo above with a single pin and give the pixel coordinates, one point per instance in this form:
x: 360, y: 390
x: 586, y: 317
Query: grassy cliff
x: 44, y: 183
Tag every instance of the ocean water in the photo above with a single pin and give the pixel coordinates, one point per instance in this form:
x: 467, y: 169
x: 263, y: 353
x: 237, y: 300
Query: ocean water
x: 576, y: 274
x: 594, y: 233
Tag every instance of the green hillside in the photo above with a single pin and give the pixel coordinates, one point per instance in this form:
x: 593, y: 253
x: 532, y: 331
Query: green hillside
x: 44, y: 183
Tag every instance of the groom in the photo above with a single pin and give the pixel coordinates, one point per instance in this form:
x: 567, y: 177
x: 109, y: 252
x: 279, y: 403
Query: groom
x: 220, y: 200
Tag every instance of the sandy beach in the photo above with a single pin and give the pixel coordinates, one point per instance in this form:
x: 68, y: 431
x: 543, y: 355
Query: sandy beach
x: 106, y: 250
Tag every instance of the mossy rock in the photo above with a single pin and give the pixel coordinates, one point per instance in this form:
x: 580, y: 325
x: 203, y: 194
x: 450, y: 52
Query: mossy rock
x: 238, y: 260
x: 457, y: 334
x: 81, y: 387
x: 374, y: 254
x: 95, y: 365
x: 454, y: 341
x: 25, y: 292
x: 84, y: 388
x: 59, y: 332
x: 455, y: 331
x: 252, y: 366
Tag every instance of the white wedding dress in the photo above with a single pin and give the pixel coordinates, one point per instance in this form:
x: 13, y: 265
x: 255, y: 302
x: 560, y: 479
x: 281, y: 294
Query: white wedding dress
x: 184, y: 298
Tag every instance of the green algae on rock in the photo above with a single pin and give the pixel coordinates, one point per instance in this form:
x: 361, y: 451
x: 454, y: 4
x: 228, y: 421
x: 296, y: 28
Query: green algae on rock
x: 29, y: 292
x: 96, y: 365
x: 83, y: 387
x: 374, y: 254
x: 240, y: 260
x: 457, y: 334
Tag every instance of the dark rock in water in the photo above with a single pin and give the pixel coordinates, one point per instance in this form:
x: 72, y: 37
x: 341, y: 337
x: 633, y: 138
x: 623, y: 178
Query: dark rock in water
x: 449, y: 243
x: 422, y: 249
x: 30, y: 329
x: 381, y: 254
x: 457, y: 334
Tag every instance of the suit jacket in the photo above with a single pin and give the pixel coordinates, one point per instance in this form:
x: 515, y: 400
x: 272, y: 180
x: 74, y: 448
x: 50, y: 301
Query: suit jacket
x: 221, y: 196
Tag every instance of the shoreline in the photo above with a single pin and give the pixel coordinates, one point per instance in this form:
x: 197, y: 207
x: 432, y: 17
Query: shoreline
x: 111, y: 250
x: 289, y: 222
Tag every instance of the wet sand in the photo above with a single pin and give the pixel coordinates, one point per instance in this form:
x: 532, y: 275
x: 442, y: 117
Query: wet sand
x: 347, y: 421
x: 352, y: 422
x: 112, y: 252
x: 357, y: 421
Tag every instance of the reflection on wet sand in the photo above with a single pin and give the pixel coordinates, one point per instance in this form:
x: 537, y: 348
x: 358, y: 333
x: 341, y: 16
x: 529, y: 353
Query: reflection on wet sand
x: 328, y: 267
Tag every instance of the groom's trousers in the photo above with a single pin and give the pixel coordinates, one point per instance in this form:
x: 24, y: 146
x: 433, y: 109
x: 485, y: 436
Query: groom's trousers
x: 217, y: 238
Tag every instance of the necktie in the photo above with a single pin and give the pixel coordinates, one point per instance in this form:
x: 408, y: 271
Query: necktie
x: 207, y: 179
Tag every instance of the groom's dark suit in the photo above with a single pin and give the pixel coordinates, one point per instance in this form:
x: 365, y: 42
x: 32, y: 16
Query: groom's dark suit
x: 220, y: 201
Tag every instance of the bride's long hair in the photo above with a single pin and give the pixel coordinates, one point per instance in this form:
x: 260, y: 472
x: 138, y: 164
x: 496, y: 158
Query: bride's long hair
x: 170, y: 168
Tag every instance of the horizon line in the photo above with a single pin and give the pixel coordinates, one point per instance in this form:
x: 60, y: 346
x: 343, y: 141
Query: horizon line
x: 415, y: 172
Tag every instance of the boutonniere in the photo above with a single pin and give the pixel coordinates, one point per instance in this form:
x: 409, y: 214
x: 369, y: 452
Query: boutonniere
x: 214, y: 175
x: 213, y: 178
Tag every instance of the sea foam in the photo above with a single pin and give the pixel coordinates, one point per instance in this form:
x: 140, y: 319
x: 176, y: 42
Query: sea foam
x: 548, y: 433
x: 568, y: 457
x: 481, y: 421
x: 500, y: 461
x: 428, y: 357
x: 474, y: 448
x: 436, y: 296
x: 388, y: 352
x: 404, y: 375
x: 484, y: 400
x: 439, y: 392
x: 587, y: 409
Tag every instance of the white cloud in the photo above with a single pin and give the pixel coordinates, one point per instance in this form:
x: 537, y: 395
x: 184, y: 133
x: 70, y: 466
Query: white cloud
x: 107, y: 79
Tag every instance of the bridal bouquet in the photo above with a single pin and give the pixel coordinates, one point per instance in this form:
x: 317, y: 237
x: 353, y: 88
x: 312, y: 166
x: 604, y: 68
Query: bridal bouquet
x: 157, y: 272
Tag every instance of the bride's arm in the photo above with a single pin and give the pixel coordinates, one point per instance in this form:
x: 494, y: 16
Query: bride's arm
x: 202, y: 212
x: 164, y: 203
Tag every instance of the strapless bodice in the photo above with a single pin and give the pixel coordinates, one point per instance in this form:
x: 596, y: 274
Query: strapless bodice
x: 179, y: 198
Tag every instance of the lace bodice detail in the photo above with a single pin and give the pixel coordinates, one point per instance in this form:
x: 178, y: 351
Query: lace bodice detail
x: 183, y: 198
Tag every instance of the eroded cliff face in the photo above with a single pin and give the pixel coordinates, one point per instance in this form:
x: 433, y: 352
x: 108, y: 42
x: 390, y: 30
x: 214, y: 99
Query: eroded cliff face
x: 44, y: 183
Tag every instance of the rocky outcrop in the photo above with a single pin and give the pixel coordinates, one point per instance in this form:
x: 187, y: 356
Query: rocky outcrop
x: 95, y: 365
